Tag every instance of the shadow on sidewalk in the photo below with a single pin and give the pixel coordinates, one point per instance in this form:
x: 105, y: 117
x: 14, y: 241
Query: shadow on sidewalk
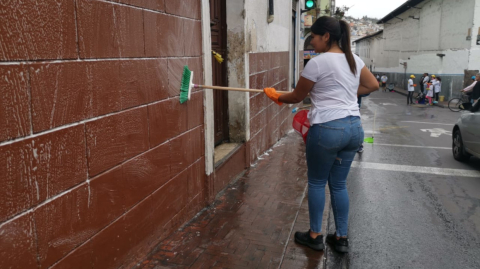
x: 252, y: 223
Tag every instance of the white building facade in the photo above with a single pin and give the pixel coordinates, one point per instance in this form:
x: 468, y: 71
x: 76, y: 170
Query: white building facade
x: 427, y: 36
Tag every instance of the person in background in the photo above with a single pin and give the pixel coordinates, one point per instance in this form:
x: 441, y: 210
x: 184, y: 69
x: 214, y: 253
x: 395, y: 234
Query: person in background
x: 426, y: 79
x: 437, y: 86
x: 429, y: 88
x: 384, y: 82
x: 360, y: 150
x: 411, y: 89
x: 433, y: 78
x: 334, y: 80
x: 474, y: 88
x: 471, y: 86
x: 422, y: 88
x: 378, y: 78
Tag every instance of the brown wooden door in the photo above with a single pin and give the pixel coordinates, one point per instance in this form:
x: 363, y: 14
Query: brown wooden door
x: 218, y: 26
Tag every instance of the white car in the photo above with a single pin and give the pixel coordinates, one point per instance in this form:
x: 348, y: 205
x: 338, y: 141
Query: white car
x: 466, y: 134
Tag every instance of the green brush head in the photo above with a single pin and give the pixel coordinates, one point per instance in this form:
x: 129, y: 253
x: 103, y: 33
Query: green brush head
x: 186, y: 86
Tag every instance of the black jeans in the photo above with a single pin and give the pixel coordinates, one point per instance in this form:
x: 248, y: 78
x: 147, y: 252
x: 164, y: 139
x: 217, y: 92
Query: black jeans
x: 410, y: 98
x: 436, y: 96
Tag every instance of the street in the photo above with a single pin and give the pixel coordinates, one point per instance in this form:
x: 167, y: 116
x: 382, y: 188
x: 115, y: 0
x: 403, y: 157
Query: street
x: 411, y: 204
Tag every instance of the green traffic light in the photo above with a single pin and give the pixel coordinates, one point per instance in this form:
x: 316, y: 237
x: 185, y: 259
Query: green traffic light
x: 309, y: 3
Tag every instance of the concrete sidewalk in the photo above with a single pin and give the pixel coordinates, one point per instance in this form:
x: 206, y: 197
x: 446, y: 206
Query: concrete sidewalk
x: 401, y: 91
x: 252, y: 223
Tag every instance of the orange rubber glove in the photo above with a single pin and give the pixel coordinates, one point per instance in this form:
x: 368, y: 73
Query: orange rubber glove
x: 273, y: 94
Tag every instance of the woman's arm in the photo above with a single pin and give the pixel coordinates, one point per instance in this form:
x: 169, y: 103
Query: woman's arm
x: 368, y: 83
x: 304, y: 86
x: 469, y: 88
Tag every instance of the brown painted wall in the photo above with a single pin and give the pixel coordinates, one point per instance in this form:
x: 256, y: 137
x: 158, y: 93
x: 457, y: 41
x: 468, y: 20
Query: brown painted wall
x: 98, y: 160
x: 268, y: 121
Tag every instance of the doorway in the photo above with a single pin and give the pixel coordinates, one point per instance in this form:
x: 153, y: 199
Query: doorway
x: 218, y: 27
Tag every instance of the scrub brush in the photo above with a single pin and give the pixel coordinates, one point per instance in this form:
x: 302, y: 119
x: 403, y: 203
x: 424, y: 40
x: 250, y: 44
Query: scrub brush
x: 187, y: 86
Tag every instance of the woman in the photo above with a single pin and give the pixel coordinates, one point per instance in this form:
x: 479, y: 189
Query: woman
x: 334, y: 79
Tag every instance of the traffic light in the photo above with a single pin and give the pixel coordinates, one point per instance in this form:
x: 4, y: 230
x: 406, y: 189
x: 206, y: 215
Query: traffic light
x: 309, y: 4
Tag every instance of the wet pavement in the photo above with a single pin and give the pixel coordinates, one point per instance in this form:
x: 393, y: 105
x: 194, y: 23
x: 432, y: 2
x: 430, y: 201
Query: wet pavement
x: 411, y: 204
x: 251, y: 224
x: 422, y: 215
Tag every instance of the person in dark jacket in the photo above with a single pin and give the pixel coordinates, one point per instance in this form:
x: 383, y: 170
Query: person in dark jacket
x: 421, y: 82
x: 475, y: 95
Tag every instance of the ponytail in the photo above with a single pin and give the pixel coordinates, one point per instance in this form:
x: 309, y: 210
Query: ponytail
x: 339, y: 31
x: 346, y: 46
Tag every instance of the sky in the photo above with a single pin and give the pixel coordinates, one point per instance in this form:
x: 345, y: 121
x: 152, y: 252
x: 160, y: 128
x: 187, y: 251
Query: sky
x: 372, y: 8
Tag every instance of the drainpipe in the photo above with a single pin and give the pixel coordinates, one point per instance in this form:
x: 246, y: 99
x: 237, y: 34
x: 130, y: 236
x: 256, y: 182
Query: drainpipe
x: 270, y: 11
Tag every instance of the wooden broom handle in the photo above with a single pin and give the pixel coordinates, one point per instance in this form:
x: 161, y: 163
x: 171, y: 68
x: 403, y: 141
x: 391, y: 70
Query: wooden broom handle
x: 232, y: 89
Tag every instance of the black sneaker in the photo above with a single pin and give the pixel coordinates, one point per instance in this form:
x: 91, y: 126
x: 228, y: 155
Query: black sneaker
x: 340, y: 245
x: 307, y: 240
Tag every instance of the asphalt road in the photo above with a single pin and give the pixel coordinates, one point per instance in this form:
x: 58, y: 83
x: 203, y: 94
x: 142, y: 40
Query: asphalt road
x: 411, y: 204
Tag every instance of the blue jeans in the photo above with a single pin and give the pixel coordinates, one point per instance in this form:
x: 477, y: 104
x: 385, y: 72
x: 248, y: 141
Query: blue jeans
x: 331, y: 147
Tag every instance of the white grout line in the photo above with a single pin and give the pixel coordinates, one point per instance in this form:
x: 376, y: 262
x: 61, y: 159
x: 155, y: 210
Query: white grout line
x: 429, y: 123
x: 410, y: 146
x: 8, y: 142
x: 149, y: 10
x: 417, y: 169
x: 55, y: 61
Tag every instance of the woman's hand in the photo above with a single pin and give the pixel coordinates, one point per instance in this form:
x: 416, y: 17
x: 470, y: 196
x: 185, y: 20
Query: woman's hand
x: 273, y: 94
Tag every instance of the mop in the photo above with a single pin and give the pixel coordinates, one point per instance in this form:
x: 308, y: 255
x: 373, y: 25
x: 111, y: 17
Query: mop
x: 187, y: 86
x: 370, y: 139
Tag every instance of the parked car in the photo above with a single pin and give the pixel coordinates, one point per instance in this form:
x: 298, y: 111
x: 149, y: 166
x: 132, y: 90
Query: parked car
x: 466, y: 134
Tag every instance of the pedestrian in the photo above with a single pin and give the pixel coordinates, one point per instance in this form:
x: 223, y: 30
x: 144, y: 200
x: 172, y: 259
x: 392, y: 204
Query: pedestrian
x: 422, y: 88
x: 360, y: 149
x: 333, y: 81
x: 378, y: 78
x: 437, y: 87
x: 426, y: 79
x: 433, y: 80
x: 468, y: 90
x: 474, y: 89
x: 384, y: 82
x: 411, y: 89
x: 429, y: 88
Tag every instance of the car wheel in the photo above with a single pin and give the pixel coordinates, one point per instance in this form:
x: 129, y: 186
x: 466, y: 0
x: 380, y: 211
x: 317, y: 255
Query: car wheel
x: 457, y: 147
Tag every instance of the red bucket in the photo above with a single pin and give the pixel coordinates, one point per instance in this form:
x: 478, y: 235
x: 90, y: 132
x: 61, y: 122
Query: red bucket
x: 301, y: 124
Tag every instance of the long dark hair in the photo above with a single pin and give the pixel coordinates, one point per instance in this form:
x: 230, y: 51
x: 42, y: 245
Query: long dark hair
x: 339, y: 31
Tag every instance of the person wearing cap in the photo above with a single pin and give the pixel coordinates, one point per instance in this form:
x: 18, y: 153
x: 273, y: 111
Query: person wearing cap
x: 411, y: 89
x: 474, y: 89
x: 471, y: 86
x: 334, y: 79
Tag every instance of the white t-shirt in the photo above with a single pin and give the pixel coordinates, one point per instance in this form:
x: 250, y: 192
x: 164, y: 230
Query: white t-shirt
x: 334, y: 94
x: 410, y: 85
x: 384, y: 79
x: 426, y: 79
